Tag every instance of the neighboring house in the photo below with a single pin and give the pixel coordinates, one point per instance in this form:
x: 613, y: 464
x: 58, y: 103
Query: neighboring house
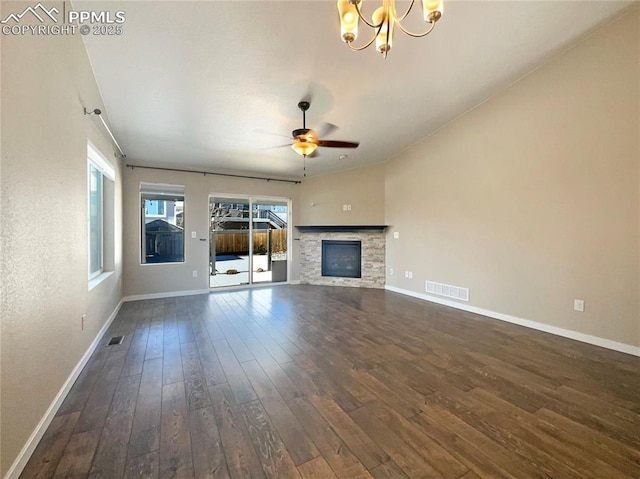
x: 227, y: 216
x: 164, y: 242
x: 159, y: 209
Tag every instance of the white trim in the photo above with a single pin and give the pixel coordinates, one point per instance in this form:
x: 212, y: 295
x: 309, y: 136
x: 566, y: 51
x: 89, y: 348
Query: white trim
x: 25, y: 454
x: 90, y: 164
x: 101, y: 163
x: 99, y: 279
x: 169, y: 294
x: 175, y: 294
x: 172, y: 192
x: 162, y: 189
x: 246, y: 286
x: 547, y: 328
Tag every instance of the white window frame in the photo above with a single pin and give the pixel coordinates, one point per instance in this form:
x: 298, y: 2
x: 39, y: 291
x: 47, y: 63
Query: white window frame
x: 160, y: 189
x: 96, y: 159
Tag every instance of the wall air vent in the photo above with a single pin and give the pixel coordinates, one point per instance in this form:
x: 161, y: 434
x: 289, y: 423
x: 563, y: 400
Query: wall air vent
x: 115, y: 340
x: 447, y: 290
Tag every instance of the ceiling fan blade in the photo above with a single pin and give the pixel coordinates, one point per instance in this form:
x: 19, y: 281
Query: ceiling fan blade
x: 338, y: 144
x: 270, y: 133
x: 276, y: 146
x: 326, y: 129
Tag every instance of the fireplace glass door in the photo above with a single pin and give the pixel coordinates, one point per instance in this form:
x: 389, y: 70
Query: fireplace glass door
x: 342, y: 259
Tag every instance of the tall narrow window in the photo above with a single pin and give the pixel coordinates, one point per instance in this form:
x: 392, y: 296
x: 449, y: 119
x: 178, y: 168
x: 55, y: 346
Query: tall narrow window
x: 95, y: 221
x: 100, y: 178
x: 162, y: 220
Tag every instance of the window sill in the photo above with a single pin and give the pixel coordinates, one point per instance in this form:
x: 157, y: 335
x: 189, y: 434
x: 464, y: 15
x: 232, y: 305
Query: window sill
x: 99, y: 279
x: 163, y: 264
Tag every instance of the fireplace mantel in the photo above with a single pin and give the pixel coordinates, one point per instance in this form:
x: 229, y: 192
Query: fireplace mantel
x: 341, y: 228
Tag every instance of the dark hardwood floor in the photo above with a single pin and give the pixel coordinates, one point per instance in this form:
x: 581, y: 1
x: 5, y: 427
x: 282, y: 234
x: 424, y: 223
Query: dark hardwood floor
x: 320, y: 382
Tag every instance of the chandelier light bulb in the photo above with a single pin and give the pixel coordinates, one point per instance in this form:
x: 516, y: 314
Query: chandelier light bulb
x: 349, y: 19
x: 384, y: 39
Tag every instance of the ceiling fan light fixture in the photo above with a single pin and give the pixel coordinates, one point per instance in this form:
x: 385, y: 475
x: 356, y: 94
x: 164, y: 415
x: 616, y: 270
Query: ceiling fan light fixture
x: 305, y: 140
x: 304, y: 148
x: 383, y: 21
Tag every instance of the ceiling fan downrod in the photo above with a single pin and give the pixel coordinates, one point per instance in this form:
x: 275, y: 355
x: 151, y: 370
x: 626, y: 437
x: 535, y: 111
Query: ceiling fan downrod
x: 304, y: 106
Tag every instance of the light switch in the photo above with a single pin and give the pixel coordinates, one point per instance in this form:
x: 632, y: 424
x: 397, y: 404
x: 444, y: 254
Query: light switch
x: 194, y: 234
x: 396, y: 234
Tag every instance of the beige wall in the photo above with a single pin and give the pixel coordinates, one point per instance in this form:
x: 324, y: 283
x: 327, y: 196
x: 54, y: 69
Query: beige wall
x: 363, y: 188
x: 46, y: 82
x: 322, y: 198
x: 164, y: 278
x: 531, y: 200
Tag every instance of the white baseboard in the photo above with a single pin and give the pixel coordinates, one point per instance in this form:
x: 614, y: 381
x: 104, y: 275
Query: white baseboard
x: 170, y: 294
x: 25, y: 454
x: 174, y: 294
x: 547, y: 328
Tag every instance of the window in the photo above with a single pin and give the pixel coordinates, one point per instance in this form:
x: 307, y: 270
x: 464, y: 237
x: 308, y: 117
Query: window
x: 162, y: 208
x: 95, y: 221
x: 101, y: 177
x: 154, y: 208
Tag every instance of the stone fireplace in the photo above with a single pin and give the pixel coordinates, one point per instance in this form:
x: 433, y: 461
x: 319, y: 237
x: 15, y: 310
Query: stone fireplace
x: 313, y: 239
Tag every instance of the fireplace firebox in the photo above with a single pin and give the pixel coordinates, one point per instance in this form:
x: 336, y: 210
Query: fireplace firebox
x: 342, y: 259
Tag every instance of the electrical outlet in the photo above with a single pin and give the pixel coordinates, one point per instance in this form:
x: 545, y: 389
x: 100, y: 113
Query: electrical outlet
x: 344, y: 207
x: 348, y: 207
x: 578, y: 305
x: 84, y: 319
x: 195, y: 273
x: 390, y: 270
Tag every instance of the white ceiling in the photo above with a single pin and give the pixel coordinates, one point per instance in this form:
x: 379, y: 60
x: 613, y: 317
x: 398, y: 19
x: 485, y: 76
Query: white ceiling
x: 211, y: 84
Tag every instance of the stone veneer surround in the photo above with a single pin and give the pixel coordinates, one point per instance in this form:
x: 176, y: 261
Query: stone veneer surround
x: 373, y: 255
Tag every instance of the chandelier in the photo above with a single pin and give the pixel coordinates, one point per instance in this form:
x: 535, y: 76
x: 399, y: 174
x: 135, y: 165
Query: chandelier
x: 382, y: 22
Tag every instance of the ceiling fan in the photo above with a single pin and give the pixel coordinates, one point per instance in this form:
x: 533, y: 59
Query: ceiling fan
x: 305, y: 140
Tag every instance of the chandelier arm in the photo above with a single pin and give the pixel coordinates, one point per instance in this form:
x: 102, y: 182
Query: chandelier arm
x: 416, y: 35
x: 399, y: 19
x: 358, y: 49
x: 365, y: 20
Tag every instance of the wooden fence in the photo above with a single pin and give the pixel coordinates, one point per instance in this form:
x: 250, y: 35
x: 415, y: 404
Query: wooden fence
x: 237, y: 241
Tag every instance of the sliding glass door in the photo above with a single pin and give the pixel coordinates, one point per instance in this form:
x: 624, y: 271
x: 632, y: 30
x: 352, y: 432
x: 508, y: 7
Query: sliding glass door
x: 229, y: 258
x: 270, y: 221
x: 248, y: 240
